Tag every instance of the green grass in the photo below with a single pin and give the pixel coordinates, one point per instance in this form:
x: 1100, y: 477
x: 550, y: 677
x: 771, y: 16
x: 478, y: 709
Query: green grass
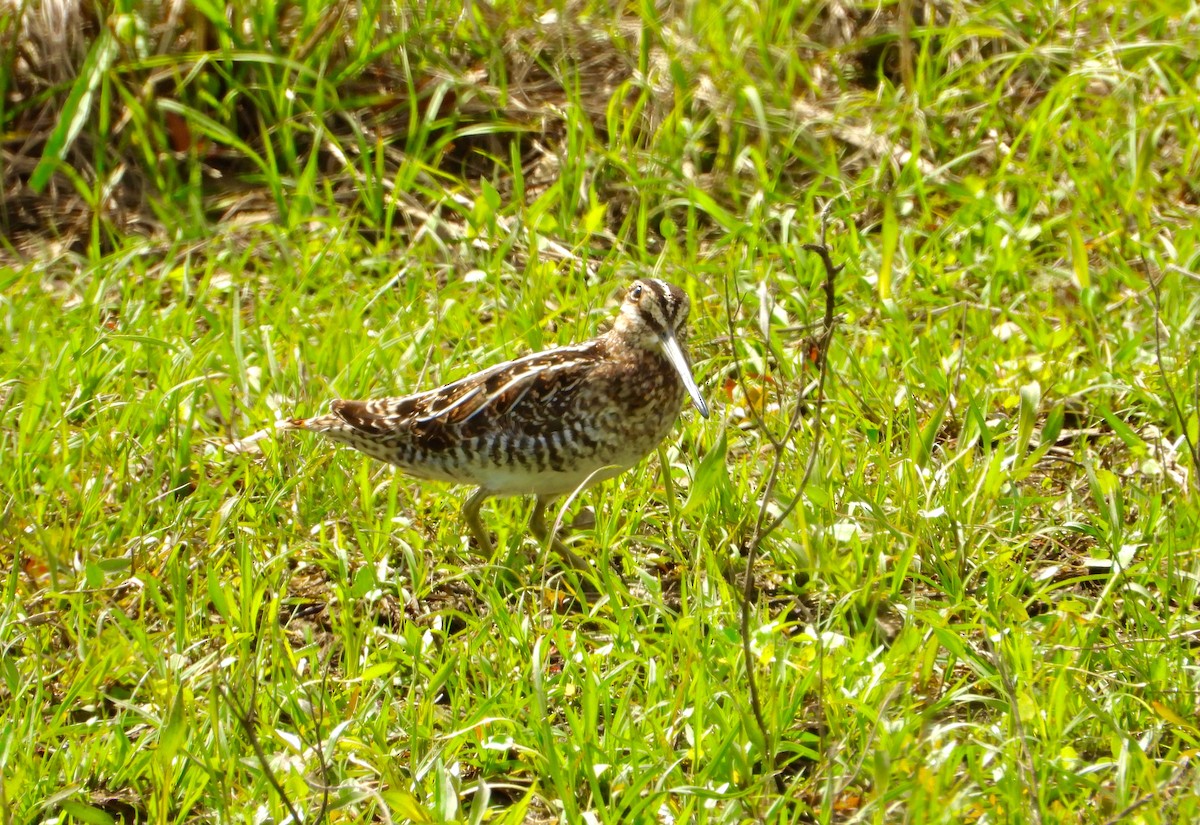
x: 985, y: 609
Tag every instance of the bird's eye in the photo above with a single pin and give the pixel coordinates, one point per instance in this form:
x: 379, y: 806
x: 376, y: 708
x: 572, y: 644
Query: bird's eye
x: 636, y: 292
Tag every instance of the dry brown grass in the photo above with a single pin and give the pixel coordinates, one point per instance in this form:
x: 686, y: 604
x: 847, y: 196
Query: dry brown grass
x: 500, y: 81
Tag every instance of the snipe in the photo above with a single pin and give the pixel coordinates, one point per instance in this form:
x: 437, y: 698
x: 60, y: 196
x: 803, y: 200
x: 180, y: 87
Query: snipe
x: 540, y: 425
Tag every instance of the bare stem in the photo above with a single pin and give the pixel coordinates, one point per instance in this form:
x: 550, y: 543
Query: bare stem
x: 761, y: 529
x: 243, y: 719
x: 1193, y: 448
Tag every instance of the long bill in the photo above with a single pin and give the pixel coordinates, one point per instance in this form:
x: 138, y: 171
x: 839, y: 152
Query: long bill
x: 679, y: 362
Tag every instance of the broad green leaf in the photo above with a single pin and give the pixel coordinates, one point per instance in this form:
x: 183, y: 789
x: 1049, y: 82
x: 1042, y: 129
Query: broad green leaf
x: 889, y: 238
x: 86, y: 813
x: 756, y: 104
x: 1132, y: 440
x: 714, y: 210
x: 77, y: 108
x: 1079, y: 256
x: 975, y: 420
x: 1052, y: 427
x: 404, y: 804
x: 93, y: 575
x: 593, y: 221
x: 1174, y: 718
x: 365, y: 581
x: 922, y: 447
x: 711, y: 473
x: 1031, y: 401
x: 216, y: 594
x: 173, y: 732
x: 376, y: 671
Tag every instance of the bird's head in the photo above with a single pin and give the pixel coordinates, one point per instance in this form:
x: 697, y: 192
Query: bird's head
x: 654, y: 316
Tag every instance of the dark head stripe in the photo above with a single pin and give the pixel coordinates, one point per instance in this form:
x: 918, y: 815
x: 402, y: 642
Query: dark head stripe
x: 662, y: 307
x: 659, y: 288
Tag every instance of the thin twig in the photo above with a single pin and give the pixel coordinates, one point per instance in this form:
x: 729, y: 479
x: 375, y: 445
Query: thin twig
x: 823, y: 350
x: 1193, y: 448
x: 1125, y: 643
x: 318, y: 715
x: 730, y: 313
x: 243, y: 719
x: 1010, y: 692
x: 1166, y: 790
x: 760, y: 532
x: 868, y: 745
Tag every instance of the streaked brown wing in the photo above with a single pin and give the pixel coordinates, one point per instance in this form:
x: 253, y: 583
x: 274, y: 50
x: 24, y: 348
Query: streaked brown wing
x: 521, y: 396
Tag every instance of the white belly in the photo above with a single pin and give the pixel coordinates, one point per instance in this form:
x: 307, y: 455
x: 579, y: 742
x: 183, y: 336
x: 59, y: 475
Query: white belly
x: 505, y: 482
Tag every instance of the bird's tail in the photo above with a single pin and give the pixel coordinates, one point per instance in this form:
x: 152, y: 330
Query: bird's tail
x: 316, y: 424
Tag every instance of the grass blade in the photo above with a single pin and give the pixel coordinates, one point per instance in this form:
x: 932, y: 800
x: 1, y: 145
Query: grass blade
x: 76, y: 109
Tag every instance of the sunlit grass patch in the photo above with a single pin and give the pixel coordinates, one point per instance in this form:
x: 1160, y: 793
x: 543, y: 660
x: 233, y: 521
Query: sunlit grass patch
x: 984, y: 606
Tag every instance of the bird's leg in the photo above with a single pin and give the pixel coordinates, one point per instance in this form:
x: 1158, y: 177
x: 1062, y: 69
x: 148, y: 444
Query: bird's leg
x: 585, y: 520
x: 471, y: 515
x: 537, y: 524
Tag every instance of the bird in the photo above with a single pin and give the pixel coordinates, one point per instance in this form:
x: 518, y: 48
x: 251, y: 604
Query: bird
x: 542, y: 425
